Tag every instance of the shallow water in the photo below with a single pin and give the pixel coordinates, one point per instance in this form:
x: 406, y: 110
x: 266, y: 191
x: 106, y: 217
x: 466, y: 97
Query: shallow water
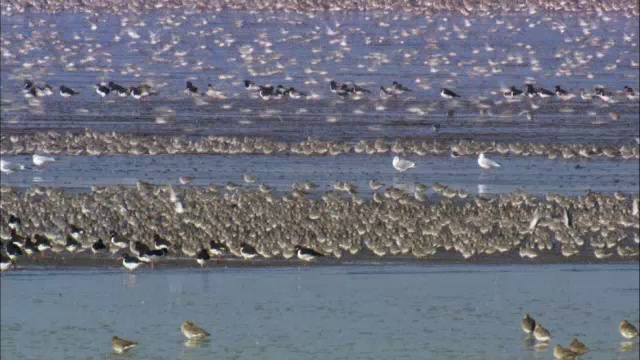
x: 534, y: 174
x: 348, y: 312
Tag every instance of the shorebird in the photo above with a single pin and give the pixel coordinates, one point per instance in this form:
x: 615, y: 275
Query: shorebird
x: 7, y: 167
x: 118, y: 240
x: 217, y: 248
x: 627, y: 330
x: 67, y: 92
x: 578, y: 347
x: 5, y: 262
x: 541, y: 334
x: 192, y: 332
x: 561, y: 353
x: 121, y: 345
x: 202, y: 256
x: 399, y: 88
x: 102, y: 90
x: 486, y: 163
x: 121, y: 91
x: 512, y: 92
x: 98, y: 246
x: 306, y: 254
x: 248, y: 251
x: 160, y: 243
x: 72, y: 245
x: 448, y: 94
x: 528, y: 324
x: 375, y: 184
x: 191, y: 89
x: 14, y: 222
x: 40, y: 160
x: 402, y: 165
x: 130, y: 262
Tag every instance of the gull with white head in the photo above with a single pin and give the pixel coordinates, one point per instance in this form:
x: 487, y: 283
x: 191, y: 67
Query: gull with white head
x: 402, y: 165
x: 40, y: 160
x: 486, y: 163
x: 7, y: 167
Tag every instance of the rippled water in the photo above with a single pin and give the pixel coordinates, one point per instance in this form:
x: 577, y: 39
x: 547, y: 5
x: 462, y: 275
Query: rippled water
x: 535, y: 175
x: 349, y: 312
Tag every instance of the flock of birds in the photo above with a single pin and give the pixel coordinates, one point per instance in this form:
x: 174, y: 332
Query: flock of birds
x: 343, y: 90
x: 575, y: 347
x: 466, y: 8
x: 628, y: 331
x: 189, y: 329
x: 97, y: 143
x: 152, y: 222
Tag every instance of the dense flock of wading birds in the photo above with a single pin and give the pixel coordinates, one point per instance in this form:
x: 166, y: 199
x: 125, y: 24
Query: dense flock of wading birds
x: 249, y: 221
x: 96, y: 143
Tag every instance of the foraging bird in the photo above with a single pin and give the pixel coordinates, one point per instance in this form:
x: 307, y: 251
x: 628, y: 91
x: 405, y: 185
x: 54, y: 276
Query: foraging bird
x: 39, y: 160
x: 528, y: 324
x: 67, y: 92
x: 486, y: 163
x: 306, y: 254
x: 160, y: 243
x: 402, y: 165
x: 448, y: 94
x: 627, y: 330
x: 121, y: 345
x: 192, y: 332
x: 375, y: 184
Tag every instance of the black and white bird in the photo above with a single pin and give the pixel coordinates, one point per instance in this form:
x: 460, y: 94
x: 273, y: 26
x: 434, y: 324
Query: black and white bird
x: 603, y: 94
x: 41, y: 242
x: 130, y: 262
x: 250, y: 85
x: 13, y: 250
x: 357, y: 90
x: 142, y: 91
x: 76, y: 231
x: 191, y: 89
x: 218, y: 248
x: 530, y: 91
x: 160, y: 243
x: 102, y: 90
x: 512, y: 92
x: 121, y: 91
x: 14, y: 222
x: 67, y: 92
x: 294, y: 93
x: 138, y: 247
x: 448, y: 94
x: 72, y: 245
x: 152, y: 256
x: 544, y: 93
x: 98, y: 246
x: 118, y: 240
x: 338, y: 89
x: 386, y: 93
x: 248, y: 251
x: 202, y: 256
x: 5, y: 262
x: 306, y: 254
x: 30, y: 247
x: 399, y: 88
